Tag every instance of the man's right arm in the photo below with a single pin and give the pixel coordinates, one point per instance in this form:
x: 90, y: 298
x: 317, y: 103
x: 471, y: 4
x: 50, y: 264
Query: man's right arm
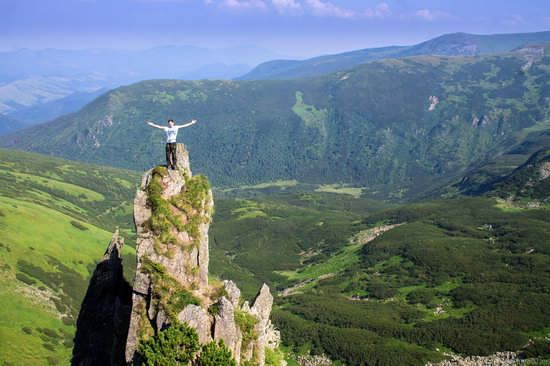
x: 154, y: 125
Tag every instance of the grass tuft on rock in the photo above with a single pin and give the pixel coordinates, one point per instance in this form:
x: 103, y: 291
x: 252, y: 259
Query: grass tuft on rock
x: 168, y: 293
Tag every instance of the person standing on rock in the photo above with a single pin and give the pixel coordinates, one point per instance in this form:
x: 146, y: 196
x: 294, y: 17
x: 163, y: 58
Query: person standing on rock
x: 171, y: 136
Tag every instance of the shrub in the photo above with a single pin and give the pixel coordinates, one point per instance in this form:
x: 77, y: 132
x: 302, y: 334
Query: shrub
x: 246, y: 322
x: 176, y: 345
x: 273, y: 357
x: 537, y: 348
x: 213, y: 354
x: 25, y: 279
x: 78, y: 225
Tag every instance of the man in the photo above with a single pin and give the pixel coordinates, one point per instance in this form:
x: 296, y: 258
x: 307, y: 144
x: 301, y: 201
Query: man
x: 171, y: 136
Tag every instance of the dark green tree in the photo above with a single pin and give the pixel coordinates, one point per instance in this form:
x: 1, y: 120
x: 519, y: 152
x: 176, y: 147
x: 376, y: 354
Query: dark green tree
x: 176, y: 345
x: 215, y: 354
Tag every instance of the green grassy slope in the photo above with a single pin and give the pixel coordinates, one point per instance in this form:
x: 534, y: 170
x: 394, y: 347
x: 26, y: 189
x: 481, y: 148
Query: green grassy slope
x: 253, y: 240
x: 56, y: 219
x: 369, y: 126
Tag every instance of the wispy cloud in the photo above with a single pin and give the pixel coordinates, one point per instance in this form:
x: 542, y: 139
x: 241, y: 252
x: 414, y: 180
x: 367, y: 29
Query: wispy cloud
x: 244, y: 4
x: 317, y: 8
x: 326, y: 9
x: 287, y: 6
x: 163, y: 1
x: 380, y: 11
x: 514, y: 20
x: 431, y: 15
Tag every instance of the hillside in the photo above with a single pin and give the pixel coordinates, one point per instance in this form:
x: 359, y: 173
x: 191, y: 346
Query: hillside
x: 56, y: 218
x: 455, y: 44
x: 457, y: 275
x: 482, y: 179
x: 464, y: 275
x: 387, y: 292
x: 528, y: 182
x: 395, y: 127
x: 9, y: 124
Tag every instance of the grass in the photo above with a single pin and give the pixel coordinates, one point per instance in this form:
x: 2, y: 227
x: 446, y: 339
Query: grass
x: 336, y: 263
x: 50, y: 235
x: 335, y: 188
x: 56, y: 220
x: 282, y: 184
x: 84, y: 194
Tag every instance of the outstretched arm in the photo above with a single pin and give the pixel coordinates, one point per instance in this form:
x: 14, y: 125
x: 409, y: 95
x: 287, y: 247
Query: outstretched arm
x: 187, y: 124
x: 154, y: 125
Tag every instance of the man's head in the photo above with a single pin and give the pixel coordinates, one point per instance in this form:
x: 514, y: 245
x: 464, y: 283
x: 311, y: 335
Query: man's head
x: 171, y: 122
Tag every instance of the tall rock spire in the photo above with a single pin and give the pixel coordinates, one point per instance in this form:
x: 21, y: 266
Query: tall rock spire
x: 172, y: 213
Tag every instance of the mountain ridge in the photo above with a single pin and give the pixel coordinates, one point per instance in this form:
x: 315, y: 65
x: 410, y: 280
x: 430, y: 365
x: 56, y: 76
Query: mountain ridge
x: 388, y: 124
x: 453, y: 44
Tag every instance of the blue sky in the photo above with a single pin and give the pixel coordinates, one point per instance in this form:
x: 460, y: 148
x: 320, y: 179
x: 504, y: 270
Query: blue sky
x: 291, y: 28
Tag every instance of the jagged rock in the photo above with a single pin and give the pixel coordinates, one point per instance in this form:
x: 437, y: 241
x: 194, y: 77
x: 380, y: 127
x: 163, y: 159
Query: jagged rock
x: 104, y: 316
x: 261, y: 309
x: 225, y: 328
x: 196, y: 317
x: 262, y: 304
x: 233, y: 292
x: 184, y: 259
x: 182, y: 156
x: 273, y: 336
x: 172, y: 264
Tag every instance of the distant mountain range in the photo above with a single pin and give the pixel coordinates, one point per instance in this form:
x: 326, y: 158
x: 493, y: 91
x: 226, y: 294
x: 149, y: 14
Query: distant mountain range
x: 395, y: 127
x: 38, y: 85
x: 456, y: 44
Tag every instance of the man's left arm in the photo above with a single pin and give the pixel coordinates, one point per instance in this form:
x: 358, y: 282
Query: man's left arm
x: 187, y: 124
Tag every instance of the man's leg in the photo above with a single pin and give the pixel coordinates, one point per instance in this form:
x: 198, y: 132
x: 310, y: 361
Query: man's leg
x: 174, y: 156
x: 168, y: 156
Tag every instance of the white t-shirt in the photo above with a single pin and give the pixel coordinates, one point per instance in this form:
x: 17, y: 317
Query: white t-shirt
x: 171, y: 134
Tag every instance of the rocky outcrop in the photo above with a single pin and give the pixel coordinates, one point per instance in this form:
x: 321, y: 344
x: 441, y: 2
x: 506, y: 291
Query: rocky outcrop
x: 172, y: 212
x: 104, y: 316
x: 498, y: 359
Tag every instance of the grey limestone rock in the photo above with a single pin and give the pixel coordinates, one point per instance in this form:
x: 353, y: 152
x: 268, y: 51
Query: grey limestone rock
x: 114, y: 318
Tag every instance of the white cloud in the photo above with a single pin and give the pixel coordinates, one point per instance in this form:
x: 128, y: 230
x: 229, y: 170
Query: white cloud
x: 380, y: 11
x: 244, y: 4
x: 319, y: 8
x: 287, y: 6
x: 427, y: 15
x: 515, y: 20
x: 326, y: 9
x: 163, y: 1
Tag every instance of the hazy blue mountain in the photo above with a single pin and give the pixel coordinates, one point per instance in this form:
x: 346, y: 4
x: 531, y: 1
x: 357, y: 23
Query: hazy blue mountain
x: 32, y: 81
x: 9, y: 124
x: 46, y: 111
x: 456, y: 44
